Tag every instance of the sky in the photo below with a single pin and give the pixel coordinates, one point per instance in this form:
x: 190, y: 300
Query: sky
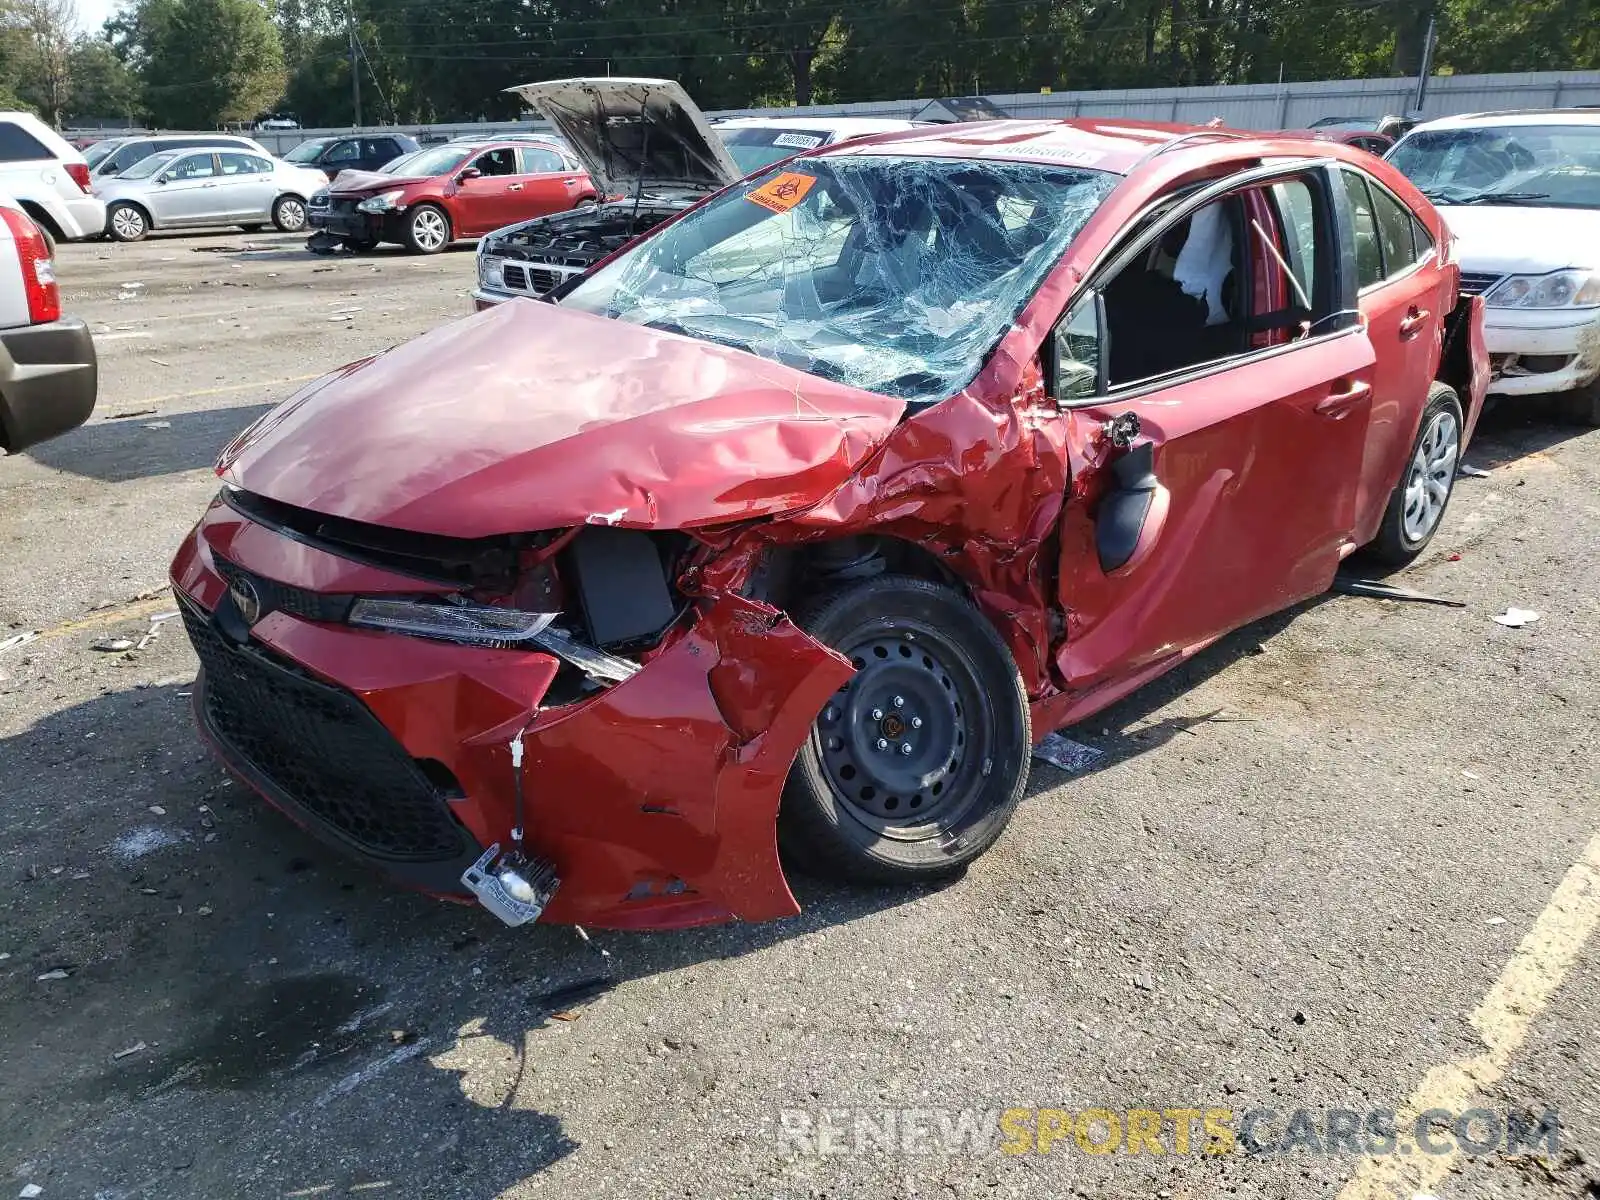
x: 93, y: 13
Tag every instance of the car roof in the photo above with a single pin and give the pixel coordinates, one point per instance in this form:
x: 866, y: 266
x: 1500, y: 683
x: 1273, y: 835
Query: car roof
x: 1098, y: 143
x: 1505, y: 117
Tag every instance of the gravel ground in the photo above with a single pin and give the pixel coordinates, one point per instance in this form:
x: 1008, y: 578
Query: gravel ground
x: 1292, y: 881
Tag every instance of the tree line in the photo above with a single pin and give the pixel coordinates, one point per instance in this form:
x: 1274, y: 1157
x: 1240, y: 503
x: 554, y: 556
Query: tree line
x: 204, y: 63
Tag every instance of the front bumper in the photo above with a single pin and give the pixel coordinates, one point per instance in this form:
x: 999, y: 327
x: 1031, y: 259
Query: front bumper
x: 656, y: 799
x: 1538, y: 352
x: 48, y: 380
x: 344, y: 221
x: 483, y: 298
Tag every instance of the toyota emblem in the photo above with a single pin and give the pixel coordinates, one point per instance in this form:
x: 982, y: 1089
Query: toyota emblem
x: 246, y: 599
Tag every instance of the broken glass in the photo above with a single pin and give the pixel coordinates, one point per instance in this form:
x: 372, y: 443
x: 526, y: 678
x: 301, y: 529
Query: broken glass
x: 895, y: 275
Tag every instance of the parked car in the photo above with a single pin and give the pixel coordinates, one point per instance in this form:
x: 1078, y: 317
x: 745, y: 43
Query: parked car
x: 1372, y: 143
x: 607, y: 122
x: 792, y: 526
x: 48, y: 178
x: 1390, y: 126
x: 368, y: 152
x: 188, y: 188
x: 757, y: 142
x: 115, y: 155
x: 47, y: 361
x: 435, y: 196
x: 1521, y: 192
x: 278, y: 122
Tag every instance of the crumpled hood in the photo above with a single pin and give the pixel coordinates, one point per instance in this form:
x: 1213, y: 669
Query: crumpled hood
x: 632, y: 133
x: 529, y: 417
x: 1507, y: 239
x: 350, y: 182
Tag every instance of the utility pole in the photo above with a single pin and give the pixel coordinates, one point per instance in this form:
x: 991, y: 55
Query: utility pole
x: 1429, y: 45
x: 355, y: 71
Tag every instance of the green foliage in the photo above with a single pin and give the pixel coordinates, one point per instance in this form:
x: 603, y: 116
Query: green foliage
x: 207, y: 62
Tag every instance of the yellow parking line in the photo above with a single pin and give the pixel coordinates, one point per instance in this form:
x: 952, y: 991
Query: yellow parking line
x: 112, y: 616
x: 1503, y: 1019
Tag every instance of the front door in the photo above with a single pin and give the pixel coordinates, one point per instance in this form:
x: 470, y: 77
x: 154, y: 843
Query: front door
x: 189, y: 194
x: 484, y: 201
x: 1255, y: 419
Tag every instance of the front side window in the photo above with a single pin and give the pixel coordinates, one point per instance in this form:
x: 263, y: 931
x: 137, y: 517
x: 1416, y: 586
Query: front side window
x: 344, y: 152
x: 146, y: 167
x: 536, y: 160
x: 497, y: 162
x: 306, y: 152
x: 1553, y: 166
x: 896, y: 275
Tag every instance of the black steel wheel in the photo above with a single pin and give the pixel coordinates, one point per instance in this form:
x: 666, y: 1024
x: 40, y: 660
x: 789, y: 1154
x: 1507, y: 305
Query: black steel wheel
x: 914, y: 767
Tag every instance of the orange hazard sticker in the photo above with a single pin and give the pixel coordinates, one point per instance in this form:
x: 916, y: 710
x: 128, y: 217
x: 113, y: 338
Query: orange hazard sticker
x: 783, y: 192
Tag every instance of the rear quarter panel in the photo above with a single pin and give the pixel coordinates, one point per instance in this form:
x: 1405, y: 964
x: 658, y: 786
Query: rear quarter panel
x: 13, y: 299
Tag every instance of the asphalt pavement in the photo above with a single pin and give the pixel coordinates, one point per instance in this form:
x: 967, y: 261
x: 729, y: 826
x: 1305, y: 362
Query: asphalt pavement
x: 1343, y: 862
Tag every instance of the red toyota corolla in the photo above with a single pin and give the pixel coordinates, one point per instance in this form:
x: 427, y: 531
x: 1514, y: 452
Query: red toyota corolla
x: 782, y: 534
x: 429, y: 198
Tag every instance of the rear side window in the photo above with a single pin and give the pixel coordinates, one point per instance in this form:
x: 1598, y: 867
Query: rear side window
x: 242, y: 164
x: 1395, y: 232
x: 133, y: 152
x: 1297, y: 216
x: 1369, y: 251
x: 380, y: 148
x: 18, y: 145
x: 536, y: 160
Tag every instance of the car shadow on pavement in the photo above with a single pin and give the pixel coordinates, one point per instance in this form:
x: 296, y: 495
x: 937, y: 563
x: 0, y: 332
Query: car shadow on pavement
x: 1124, y: 731
x: 148, y: 445
x: 217, y: 960
x: 1518, y: 429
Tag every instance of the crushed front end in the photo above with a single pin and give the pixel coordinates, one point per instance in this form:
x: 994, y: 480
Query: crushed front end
x: 363, y: 684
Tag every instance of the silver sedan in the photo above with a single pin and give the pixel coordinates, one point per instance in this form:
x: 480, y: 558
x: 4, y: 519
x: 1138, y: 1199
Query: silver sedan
x: 185, y: 188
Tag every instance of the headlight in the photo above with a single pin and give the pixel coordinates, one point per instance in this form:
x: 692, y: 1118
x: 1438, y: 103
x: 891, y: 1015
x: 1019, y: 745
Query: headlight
x: 1559, y: 289
x: 491, y: 272
x: 383, y: 202
x: 475, y: 624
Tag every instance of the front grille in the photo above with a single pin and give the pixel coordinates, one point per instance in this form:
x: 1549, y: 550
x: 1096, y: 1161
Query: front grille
x: 516, y: 278
x: 537, y: 280
x: 317, y: 748
x: 544, y: 280
x: 1475, y: 283
x: 281, y: 597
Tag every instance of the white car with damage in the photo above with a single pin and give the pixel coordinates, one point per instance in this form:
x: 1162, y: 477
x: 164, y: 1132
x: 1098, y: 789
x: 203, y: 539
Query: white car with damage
x: 1521, y: 192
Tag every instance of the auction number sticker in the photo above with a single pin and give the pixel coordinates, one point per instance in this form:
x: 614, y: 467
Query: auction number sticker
x: 783, y: 192
x: 800, y: 141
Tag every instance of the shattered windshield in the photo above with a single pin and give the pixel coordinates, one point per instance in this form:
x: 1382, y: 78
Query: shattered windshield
x: 896, y: 275
x: 1547, y: 166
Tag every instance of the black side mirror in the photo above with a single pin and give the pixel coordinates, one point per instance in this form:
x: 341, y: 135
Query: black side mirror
x: 469, y: 173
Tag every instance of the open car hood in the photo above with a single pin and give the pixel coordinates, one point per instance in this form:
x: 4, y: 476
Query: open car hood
x: 634, y: 133
x: 529, y: 417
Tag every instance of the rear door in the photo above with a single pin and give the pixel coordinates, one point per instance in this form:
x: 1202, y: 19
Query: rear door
x: 247, y: 188
x: 551, y: 183
x: 375, y: 152
x: 1402, y: 297
x: 1252, y: 396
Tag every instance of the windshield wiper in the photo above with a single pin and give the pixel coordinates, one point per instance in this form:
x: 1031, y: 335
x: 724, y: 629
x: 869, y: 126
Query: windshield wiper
x: 1488, y: 197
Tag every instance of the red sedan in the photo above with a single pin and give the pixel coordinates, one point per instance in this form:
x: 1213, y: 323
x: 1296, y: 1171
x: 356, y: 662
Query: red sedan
x: 779, y: 537
x: 432, y: 197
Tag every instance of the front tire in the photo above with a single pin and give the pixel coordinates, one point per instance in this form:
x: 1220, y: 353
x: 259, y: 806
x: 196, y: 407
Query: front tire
x: 127, y: 222
x: 427, y: 229
x: 1427, y: 481
x: 914, y: 767
x: 289, y: 214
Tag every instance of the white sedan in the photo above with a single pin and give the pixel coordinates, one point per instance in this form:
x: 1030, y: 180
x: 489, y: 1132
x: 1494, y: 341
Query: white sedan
x: 1521, y: 193
x: 217, y: 186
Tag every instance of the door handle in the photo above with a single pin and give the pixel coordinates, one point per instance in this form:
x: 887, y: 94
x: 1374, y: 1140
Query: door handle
x: 514, y: 187
x: 570, y: 182
x: 1412, y: 324
x: 1339, y: 404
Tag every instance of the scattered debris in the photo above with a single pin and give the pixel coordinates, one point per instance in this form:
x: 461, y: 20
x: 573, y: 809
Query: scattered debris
x: 1465, y: 472
x: 133, y: 412
x: 158, y: 810
x: 131, y: 1050
x: 400, y: 1037
x: 1495, y: 921
x: 1065, y: 754
x: 5, y: 955
x: 1452, y: 558
x: 30, y: 1192
x: 58, y: 973
x: 1516, y: 618
x: 18, y: 639
x: 163, y: 616
x: 573, y: 994
x: 1145, y: 982
x: 1471, y: 775
x: 112, y: 645
x: 137, y: 843
x: 1350, y: 585
x: 158, y: 425
x: 160, y: 362
x: 204, y: 910
x: 371, y: 1071
x: 565, y: 1015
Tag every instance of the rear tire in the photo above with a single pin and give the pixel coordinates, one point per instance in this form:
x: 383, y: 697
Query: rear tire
x: 127, y: 222
x: 427, y: 229
x: 1427, y: 481
x: 914, y: 767
x: 289, y: 214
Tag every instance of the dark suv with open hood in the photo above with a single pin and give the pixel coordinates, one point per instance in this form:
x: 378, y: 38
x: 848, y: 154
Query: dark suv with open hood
x: 644, y: 144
